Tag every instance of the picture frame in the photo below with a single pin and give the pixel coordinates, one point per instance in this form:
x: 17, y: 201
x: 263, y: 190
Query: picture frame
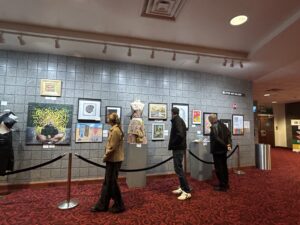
x: 50, y: 88
x: 206, y: 123
x: 196, y: 116
x: 158, y: 131
x: 237, y: 124
x: 89, y: 109
x: 183, y: 112
x: 227, y: 123
x: 112, y: 109
x: 157, y: 111
x: 89, y: 133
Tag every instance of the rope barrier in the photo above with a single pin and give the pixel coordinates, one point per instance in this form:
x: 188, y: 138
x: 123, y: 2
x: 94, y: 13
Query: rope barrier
x: 34, y: 167
x: 123, y: 170
x: 201, y: 160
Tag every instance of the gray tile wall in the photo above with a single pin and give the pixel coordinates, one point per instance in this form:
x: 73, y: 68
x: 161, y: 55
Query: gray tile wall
x: 117, y: 84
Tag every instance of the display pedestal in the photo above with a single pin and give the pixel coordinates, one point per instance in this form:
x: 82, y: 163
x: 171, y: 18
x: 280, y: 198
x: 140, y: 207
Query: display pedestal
x: 200, y: 170
x: 136, y: 159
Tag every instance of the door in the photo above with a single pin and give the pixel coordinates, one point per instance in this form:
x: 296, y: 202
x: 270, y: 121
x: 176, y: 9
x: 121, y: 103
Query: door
x: 266, y: 130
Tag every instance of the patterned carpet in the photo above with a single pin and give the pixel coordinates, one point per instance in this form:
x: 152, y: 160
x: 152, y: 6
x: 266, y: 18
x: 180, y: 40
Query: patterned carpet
x: 259, y: 197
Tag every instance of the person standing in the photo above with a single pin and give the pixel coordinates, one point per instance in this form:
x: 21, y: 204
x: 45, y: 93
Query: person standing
x: 114, y: 155
x: 220, y: 143
x: 177, y: 144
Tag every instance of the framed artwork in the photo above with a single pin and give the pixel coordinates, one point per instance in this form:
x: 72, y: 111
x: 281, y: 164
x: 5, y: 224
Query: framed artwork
x: 89, y: 109
x: 157, y: 111
x: 50, y: 88
x: 112, y: 109
x: 183, y: 112
x: 49, y: 124
x: 206, y: 123
x: 196, y: 115
x: 158, y: 131
x: 89, y: 132
x: 227, y: 123
x: 237, y: 124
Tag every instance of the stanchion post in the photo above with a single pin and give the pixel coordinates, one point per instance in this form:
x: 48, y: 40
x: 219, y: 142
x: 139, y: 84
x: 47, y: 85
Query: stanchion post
x: 238, y: 171
x: 69, y: 203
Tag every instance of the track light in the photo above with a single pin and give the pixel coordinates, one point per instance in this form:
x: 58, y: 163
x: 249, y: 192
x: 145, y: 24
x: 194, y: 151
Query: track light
x: 2, y: 40
x: 152, y: 54
x: 241, y: 64
x: 57, y: 45
x: 21, y: 40
x: 174, y: 56
x: 232, y: 63
x: 198, y: 59
x: 104, y: 49
x: 225, y: 62
x: 129, y: 52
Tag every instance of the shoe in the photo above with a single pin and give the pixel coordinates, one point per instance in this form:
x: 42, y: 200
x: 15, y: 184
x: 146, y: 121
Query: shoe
x: 177, y: 191
x: 97, y: 209
x: 184, y: 196
x: 222, y: 189
x: 117, y: 210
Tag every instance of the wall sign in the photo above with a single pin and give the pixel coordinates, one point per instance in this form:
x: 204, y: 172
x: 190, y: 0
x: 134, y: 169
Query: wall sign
x: 232, y: 93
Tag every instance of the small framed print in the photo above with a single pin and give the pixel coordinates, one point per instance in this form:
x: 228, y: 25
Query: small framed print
x: 183, y: 112
x: 89, y: 132
x: 237, y: 124
x: 206, y: 123
x: 89, y: 109
x: 227, y: 123
x: 158, y: 131
x: 196, y: 116
x: 112, y: 109
x: 157, y: 111
x: 50, y: 88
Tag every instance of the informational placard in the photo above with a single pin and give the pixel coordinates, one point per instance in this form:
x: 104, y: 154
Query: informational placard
x: 166, y: 133
x: 233, y: 93
x: 4, y: 103
x: 105, y: 133
x: 296, y: 135
x: 237, y: 124
x: 51, y: 98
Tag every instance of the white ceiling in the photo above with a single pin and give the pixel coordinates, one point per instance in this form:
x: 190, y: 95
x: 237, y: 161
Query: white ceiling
x: 269, y: 40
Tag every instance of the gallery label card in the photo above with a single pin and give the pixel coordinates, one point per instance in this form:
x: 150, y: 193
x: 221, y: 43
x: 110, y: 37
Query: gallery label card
x: 50, y: 98
x: 138, y: 145
x: 166, y: 133
x: 3, y: 102
x: 105, y: 133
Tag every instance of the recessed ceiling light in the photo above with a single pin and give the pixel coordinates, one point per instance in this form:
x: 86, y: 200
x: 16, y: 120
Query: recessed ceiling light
x: 267, y: 95
x: 274, y: 102
x: 238, y: 20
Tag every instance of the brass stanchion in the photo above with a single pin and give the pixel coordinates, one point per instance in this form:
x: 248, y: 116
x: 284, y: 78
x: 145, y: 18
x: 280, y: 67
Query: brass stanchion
x: 238, y: 171
x: 69, y: 203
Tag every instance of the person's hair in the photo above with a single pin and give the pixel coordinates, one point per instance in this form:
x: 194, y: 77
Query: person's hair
x: 213, y: 117
x: 115, y: 120
x: 175, y: 111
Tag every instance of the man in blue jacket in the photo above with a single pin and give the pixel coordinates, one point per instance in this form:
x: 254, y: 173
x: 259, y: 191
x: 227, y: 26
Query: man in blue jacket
x: 177, y: 144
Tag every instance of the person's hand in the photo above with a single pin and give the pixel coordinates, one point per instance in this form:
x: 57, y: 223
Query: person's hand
x: 229, y: 147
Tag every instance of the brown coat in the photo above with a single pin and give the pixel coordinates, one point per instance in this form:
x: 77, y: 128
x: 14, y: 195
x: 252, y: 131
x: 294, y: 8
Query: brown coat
x: 114, y: 150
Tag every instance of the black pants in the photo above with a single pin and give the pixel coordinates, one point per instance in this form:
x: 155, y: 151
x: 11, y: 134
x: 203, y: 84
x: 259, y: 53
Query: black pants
x: 220, y: 162
x: 177, y: 159
x: 110, y: 187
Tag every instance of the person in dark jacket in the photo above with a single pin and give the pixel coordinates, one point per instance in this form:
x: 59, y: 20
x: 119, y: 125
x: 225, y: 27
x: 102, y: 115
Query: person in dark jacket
x: 177, y: 144
x: 220, y: 143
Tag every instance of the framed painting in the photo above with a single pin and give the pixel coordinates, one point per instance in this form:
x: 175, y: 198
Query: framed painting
x: 89, y: 109
x: 158, y: 111
x: 50, y: 88
x: 49, y: 124
x: 89, y: 132
x: 227, y: 123
x: 206, y: 123
x: 112, y: 109
x: 237, y: 124
x: 158, y: 131
x: 183, y: 112
x: 196, y: 116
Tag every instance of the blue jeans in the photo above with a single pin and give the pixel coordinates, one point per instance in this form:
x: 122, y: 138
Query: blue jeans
x: 177, y: 159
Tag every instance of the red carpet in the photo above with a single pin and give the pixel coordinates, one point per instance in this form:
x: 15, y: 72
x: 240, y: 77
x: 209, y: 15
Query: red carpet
x: 259, y: 197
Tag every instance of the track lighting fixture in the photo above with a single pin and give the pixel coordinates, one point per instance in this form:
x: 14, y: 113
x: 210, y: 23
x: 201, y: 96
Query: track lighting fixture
x: 2, y: 40
x: 104, y: 49
x: 232, y: 63
x: 152, y: 54
x: 174, y: 56
x: 225, y: 62
x: 198, y: 59
x: 21, y: 40
x: 129, y: 52
x: 241, y: 64
x: 57, y: 45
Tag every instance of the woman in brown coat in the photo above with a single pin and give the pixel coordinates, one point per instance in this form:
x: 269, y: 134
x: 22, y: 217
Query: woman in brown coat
x: 114, y: 155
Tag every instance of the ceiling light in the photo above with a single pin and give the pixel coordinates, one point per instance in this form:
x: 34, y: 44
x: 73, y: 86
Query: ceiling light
x: 198, y: 60
x: 129, y: 52
x: 238, y: 20
x: 104, y: 49
x: 241, y: 64
x: 21, y: 40
x: 267, y: 95
x: 57, y: 45
x: 152, y: 54
x: 174, y: 56
x: 274, y: 102
x: 225, y: 62
x: 2, y: 40
x: 232, y: 63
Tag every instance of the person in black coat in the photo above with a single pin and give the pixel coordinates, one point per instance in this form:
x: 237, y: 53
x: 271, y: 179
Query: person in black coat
x: 177, y: 144
x: 220, y: 143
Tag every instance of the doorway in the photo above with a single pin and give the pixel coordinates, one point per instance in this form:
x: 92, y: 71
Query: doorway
x: 266, y: 130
